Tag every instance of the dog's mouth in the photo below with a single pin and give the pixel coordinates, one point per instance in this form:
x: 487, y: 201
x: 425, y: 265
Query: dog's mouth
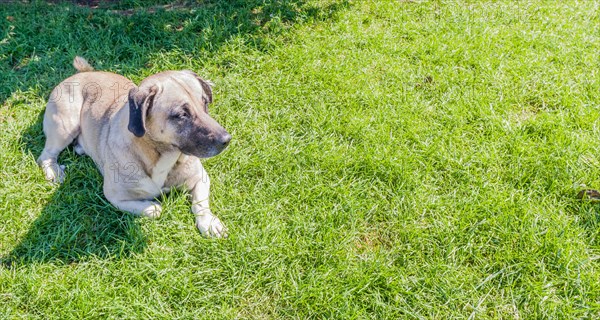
x: 203, y: 152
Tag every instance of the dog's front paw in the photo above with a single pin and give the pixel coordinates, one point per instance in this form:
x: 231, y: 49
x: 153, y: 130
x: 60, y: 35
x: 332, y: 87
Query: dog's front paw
x: 210, y: 226
x: 153, y: 211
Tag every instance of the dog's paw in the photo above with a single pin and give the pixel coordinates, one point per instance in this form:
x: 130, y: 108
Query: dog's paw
x: 79, y: 149
x: 210, y: 226
x: 53, y: 172
x: 153, y: 211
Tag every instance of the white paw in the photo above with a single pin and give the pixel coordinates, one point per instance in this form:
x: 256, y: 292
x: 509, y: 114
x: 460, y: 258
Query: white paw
x: 152, y: 211
x: 53, y: 171
x: 210, y: 226
x: 79, y: 149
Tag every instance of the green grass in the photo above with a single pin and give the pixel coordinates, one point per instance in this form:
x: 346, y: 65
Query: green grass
x: 390, y: 159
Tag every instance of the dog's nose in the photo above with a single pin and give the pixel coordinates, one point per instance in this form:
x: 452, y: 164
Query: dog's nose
x: 225, y: 139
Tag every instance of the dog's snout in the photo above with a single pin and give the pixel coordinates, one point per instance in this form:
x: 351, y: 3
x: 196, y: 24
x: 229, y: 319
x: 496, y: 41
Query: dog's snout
x: 225, y: 140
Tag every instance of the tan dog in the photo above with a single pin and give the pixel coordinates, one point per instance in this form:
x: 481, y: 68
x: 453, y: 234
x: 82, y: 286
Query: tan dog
x: 143, y: 139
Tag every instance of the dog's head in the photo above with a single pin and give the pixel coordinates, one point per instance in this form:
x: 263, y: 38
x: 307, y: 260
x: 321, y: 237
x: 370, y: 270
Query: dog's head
x: 172, y: 108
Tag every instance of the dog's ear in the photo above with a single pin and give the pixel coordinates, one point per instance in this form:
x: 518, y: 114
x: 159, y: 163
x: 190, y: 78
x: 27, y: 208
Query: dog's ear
x: 140, y: 100
x: 206, y: 87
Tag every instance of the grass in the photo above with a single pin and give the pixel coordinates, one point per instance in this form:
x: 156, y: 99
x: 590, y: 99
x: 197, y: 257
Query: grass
x: 391, y: 159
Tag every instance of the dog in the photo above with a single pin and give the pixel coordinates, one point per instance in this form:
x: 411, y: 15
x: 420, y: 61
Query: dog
x: 144, y: 139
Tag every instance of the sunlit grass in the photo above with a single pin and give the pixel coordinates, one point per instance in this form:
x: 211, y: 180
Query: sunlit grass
x: 390, y: 159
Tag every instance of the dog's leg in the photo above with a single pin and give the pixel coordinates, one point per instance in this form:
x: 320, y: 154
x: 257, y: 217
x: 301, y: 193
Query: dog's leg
x: 207, y: 223
x: 59, y: 132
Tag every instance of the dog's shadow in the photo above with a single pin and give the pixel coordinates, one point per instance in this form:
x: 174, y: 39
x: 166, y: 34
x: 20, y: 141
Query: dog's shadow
x: 77, y: 222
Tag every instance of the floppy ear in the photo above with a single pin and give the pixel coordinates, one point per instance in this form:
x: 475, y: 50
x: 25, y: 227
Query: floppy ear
x: 206, y: 87
x: 140, y: 100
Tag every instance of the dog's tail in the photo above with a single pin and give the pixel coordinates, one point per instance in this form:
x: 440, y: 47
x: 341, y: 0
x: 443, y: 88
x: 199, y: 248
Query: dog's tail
x: 82, y: 65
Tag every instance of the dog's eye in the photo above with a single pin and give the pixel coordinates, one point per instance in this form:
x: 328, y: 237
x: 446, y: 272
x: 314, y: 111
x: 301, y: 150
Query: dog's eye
x: 180, y: 114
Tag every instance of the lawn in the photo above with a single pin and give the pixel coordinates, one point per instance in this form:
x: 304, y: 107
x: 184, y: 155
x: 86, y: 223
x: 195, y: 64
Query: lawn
x: 390, y: 159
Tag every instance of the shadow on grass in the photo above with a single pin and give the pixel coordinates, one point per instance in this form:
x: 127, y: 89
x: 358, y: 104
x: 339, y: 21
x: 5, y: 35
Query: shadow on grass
x: 77, y: 222
x: 38, y: 41
x: 37, y: 44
